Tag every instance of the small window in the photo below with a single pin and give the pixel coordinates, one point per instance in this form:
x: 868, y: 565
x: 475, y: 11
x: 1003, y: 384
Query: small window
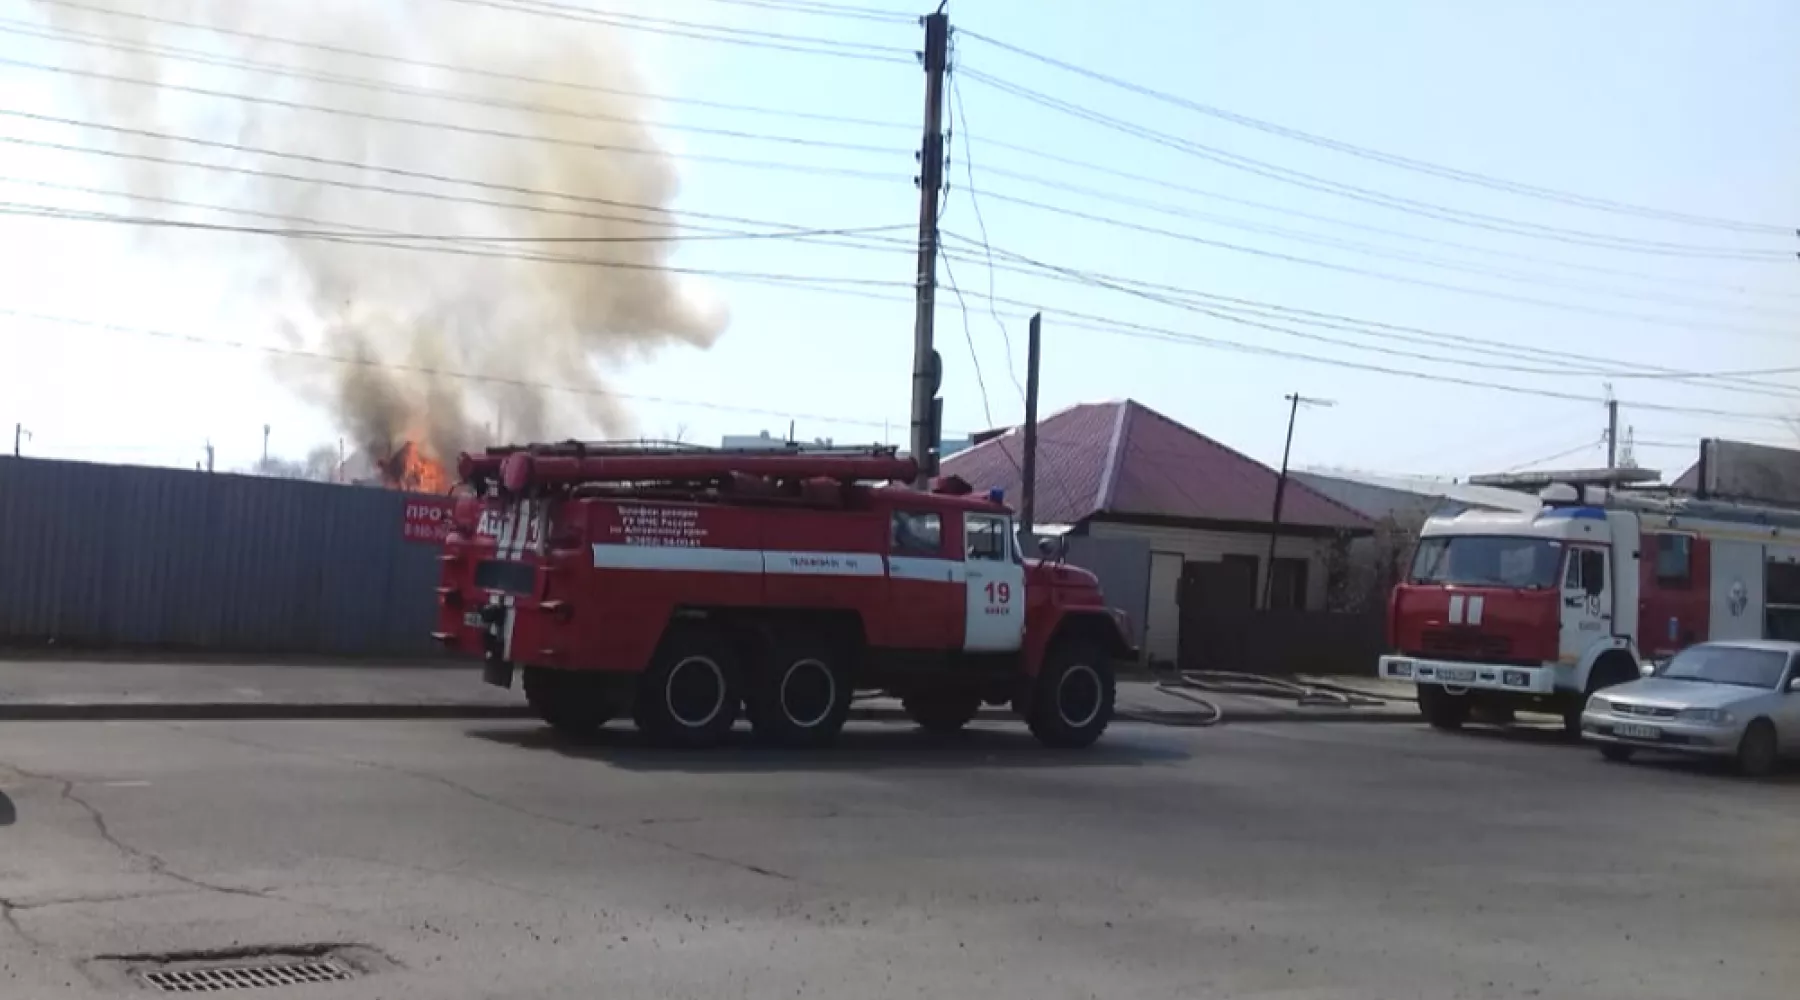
x: 985, y: 538
x: 1572, y: 578
x: 918, y: 534
x: 1674, y: 560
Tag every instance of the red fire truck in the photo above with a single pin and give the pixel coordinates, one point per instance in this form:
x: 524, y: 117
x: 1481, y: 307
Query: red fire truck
x: 679, y: 584
x: 1537, y: 611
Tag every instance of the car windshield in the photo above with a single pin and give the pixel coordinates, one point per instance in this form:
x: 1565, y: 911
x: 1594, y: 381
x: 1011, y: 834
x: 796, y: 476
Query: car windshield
x: 1487, y: 560
x: 1757, y: 668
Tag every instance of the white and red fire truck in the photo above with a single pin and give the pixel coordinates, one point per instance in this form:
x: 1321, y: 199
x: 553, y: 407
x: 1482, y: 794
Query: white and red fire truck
x: 679, y: 585
x: 1536, y: 611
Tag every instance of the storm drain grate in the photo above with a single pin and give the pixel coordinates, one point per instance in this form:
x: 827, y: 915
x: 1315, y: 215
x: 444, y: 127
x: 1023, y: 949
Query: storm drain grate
x: 245, y: 977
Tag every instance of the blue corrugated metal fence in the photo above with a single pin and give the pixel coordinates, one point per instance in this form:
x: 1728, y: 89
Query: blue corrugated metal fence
x: 114, y: 556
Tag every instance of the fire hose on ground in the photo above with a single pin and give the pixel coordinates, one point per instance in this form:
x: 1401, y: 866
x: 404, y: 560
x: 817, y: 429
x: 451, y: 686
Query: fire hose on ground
x: 1192, y: 686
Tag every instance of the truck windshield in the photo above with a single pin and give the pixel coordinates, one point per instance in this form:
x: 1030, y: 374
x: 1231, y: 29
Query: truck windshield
x: 1487, y: 561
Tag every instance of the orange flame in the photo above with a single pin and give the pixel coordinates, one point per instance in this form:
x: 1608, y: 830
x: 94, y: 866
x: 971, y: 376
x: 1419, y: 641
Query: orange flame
x: 411, y: 469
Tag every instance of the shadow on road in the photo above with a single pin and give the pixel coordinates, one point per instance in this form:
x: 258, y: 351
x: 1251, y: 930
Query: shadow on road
x: 1545, y: 734
x: 7, y: 813
x: 861, y: 749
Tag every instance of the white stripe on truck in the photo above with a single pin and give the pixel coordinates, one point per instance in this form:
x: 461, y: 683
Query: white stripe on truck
x: 689, y: 559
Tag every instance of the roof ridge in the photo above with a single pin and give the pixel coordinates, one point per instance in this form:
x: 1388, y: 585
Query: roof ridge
x: 1222, y: 446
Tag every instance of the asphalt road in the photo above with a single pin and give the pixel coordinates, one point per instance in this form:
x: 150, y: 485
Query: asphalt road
x: 482, y: 859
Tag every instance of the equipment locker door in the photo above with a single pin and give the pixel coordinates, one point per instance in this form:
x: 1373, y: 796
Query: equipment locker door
x: 996, y: 585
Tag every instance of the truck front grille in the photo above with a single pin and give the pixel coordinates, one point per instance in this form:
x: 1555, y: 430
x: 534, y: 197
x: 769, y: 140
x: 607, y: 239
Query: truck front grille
x: 1464, y: 643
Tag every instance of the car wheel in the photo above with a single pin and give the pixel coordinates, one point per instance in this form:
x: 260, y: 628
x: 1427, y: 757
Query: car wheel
x: 1756, y: 752
x: 1616, y: 753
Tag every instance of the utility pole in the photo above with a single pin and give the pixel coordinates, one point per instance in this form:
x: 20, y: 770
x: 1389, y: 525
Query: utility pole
x: 209, y: 456
x: 1028, y: 489
x: 1294, y: 400
x: 1612, y: 432
x: 927, y: 408
x: 265, y: 446
x: 20, y: 434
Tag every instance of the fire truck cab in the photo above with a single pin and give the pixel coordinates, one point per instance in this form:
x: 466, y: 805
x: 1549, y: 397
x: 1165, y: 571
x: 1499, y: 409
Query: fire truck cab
x: 680, y: 585
x: 1537, y: 611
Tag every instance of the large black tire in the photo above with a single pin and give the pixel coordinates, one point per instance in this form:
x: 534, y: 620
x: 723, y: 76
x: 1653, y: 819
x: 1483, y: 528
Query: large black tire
x: 941, y: 711
x: 1616, y: 753
x: 1442, y: 709
x: 799, y: 696
x: 1609, y: 670
x: 1757, y: 752
x: 689, y: 696
x: 570, y: 702
x: 1072, y: 701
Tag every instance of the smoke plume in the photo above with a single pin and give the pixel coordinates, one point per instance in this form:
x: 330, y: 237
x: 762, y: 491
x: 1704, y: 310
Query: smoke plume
x: 403, y: 317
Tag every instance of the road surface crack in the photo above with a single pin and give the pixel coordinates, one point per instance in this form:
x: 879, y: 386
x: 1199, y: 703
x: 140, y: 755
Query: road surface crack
x: 144, y: 857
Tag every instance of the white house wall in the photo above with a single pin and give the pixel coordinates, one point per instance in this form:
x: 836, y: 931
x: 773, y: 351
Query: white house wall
x: 1162, y: 629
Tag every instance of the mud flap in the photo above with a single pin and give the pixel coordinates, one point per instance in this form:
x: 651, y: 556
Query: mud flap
x: 499, y: 673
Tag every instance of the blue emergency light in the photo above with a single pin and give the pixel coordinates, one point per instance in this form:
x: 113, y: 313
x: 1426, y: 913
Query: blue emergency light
x: 997, y: 495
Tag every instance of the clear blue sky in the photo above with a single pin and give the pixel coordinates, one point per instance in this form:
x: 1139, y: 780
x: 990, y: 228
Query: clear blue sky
x: 1674, y: 105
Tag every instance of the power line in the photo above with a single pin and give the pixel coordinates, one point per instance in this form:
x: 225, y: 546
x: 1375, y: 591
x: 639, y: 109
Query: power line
x: 1739, y: 381
x: 1584, y: 446
x: 807, y: 44
x: 823, y: 9
x: 478, y: 71
x: 362, y: 167
x: 962, y: 122
x: 364, y: 240
x: 1376, y: 250
x: 490, y: 133
x: 54, y: 211
x: 1428, y: 209
x: 429, y: 93
x: 1103, y: 324
x: 1661, y: 279
x: 1392, y: 159
x: 427, y: 370
x: 1386, y: 276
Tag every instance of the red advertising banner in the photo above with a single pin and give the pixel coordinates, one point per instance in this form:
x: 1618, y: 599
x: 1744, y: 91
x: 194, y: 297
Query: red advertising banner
x: 427, y: 519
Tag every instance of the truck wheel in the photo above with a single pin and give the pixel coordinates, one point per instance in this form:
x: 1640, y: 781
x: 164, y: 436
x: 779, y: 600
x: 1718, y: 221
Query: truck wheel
x: 1610, y: 669
x: 1072, y: 701
x: 941, y: 711
x: 573, y: 704
x: 689, y: 696
x: 800, y: 696
x: 1756, y: 754
x: 1442, y: 709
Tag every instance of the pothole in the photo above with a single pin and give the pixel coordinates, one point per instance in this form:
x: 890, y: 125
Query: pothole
x: 247, y: 968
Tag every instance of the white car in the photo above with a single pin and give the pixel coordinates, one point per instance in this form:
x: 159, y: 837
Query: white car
x: 1718, y: 699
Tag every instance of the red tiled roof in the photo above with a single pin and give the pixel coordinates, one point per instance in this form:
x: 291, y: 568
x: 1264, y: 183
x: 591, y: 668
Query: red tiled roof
x: 1124, y: 458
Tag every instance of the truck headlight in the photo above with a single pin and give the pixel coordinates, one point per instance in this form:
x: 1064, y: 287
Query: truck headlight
x: 1706, y: 716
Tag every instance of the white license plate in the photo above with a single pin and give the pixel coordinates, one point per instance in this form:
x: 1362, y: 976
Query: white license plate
x: 1455, y: 674
x: 1636, y: 732
x: 473, y: 619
